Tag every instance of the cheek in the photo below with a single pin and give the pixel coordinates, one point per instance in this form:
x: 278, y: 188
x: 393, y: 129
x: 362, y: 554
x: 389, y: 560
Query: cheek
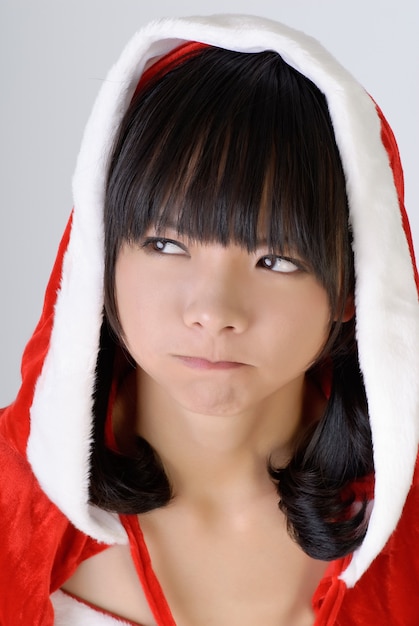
x: 315, y: 323
x: 137, y: 316
x: 135, y: 302
x: 302, y: 325
x: 147, y: 304
x: 314, y: 312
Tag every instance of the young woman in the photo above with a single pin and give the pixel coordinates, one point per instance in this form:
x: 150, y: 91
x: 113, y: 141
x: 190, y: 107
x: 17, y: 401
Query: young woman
x: 218, y: 420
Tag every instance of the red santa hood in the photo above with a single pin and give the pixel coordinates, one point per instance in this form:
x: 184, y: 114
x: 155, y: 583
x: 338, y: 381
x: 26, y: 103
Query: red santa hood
x: 51, y: 419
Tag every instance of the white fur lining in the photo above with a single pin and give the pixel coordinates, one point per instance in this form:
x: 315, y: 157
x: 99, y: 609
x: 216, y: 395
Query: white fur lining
x: 386, y: 298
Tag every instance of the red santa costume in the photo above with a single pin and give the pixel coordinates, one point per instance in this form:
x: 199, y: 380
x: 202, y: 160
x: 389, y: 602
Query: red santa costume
x: 48, y: 526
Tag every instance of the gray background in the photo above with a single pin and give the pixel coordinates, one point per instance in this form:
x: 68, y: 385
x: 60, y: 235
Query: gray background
x: 54, y: 55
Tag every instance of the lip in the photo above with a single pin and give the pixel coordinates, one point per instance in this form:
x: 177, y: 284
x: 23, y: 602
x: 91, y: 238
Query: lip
x: 201, y: 363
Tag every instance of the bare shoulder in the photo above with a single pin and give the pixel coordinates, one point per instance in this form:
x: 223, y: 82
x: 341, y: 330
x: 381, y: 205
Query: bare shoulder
x: 109, y: 581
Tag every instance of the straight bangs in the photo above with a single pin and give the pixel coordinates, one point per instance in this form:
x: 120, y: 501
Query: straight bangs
x: 233, y: 148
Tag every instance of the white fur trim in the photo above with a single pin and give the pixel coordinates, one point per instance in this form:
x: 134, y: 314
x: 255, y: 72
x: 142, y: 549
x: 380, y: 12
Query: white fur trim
x: 70, y: 612
x: 386, y: 298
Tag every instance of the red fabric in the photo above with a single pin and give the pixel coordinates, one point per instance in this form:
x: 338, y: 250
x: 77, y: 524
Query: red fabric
x: 327, y: 599
x: 142, y: 562
x: 388, y: 593
x: 40, y: 549
x: 169, y: 62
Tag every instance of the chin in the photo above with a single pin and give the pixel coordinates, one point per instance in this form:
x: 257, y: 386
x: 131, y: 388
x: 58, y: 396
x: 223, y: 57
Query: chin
x: 213, y: 403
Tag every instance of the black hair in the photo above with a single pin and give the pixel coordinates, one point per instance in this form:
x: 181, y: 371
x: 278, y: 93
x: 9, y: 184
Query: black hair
x: 226, y: 146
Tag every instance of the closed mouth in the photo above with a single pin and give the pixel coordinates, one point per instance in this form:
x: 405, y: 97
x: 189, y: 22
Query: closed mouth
x: 207, y: 364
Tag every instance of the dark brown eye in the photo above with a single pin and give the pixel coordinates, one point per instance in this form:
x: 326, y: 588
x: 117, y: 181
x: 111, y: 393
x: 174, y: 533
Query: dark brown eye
x: 164, y: 246
x: 279, y: 264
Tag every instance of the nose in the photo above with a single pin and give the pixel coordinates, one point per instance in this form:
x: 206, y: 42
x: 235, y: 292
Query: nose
x: 216, y: 305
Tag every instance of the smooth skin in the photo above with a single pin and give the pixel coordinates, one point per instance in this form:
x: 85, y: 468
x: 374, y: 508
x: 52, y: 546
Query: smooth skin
x: 223, y: 339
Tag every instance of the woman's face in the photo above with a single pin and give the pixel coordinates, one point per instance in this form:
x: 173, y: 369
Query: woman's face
x: 219, y: 329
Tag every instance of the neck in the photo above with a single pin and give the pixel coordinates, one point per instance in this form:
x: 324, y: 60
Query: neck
x: 219, y: 455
